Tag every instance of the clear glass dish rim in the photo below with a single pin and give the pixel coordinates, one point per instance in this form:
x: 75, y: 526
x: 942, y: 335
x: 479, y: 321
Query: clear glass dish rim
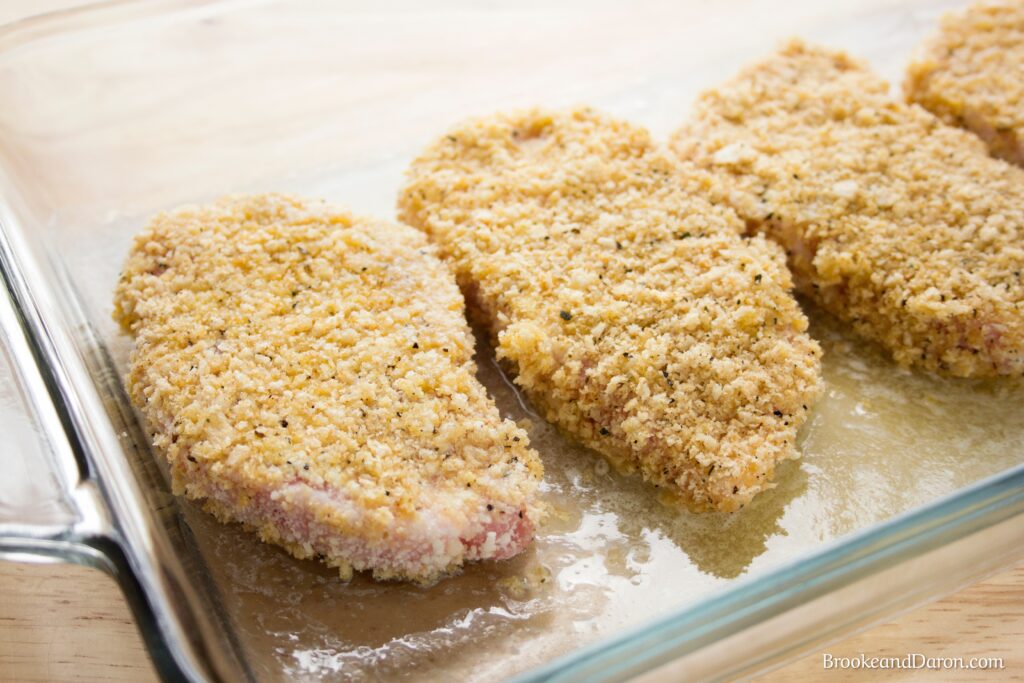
x: 837, y: 563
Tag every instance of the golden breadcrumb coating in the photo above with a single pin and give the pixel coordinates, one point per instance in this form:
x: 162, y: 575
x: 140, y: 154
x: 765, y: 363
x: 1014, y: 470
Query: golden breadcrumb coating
x: 893, y: 221
x: 309, y: 373
x: 971, y: 74
x: 629, y: 308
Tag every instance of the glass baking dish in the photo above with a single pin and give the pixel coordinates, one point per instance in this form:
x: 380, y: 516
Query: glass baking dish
x: 910, y: 486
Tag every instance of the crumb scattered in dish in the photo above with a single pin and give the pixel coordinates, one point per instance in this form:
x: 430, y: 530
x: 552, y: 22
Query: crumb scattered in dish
x: 629, y: 307
x: 971, y: 74
x: 893, y: 221
x: 309, y: 373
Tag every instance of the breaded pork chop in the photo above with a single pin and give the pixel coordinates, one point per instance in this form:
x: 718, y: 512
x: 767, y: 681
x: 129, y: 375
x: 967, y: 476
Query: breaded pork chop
x: 309, y: 373
x: 893, y: 221
x: 629, y: 308
x: 971, y: 74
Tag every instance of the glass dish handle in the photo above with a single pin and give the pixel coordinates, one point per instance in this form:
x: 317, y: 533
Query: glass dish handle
x: 50, y: 509
x: 63, y: 500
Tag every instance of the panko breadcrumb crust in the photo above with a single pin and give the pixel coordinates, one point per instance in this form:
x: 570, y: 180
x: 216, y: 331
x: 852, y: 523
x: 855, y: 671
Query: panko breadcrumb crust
x: 893, y: 221
x: 309, y: 373
x: 628, y: 307
x: 971, y: 74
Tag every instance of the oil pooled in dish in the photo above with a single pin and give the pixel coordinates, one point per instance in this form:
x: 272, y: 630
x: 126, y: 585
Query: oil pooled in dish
x: 880, y: 441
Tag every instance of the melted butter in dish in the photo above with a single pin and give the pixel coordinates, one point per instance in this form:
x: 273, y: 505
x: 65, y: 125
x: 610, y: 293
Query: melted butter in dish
x: 880, y: 441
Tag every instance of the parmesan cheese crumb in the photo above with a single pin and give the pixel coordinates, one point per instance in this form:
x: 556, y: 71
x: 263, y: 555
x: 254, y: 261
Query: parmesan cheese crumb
x: 971, y: 74
x: 629, y: 307
x: 309, y: 373
x: 894, y: 222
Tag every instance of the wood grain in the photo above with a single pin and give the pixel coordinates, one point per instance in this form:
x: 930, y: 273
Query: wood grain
x: 69, y: 623
x: 66, y: 623
x: 984, y: 620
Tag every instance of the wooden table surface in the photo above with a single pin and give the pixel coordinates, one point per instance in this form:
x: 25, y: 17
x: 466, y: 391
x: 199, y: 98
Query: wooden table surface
x: 69, y: 623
